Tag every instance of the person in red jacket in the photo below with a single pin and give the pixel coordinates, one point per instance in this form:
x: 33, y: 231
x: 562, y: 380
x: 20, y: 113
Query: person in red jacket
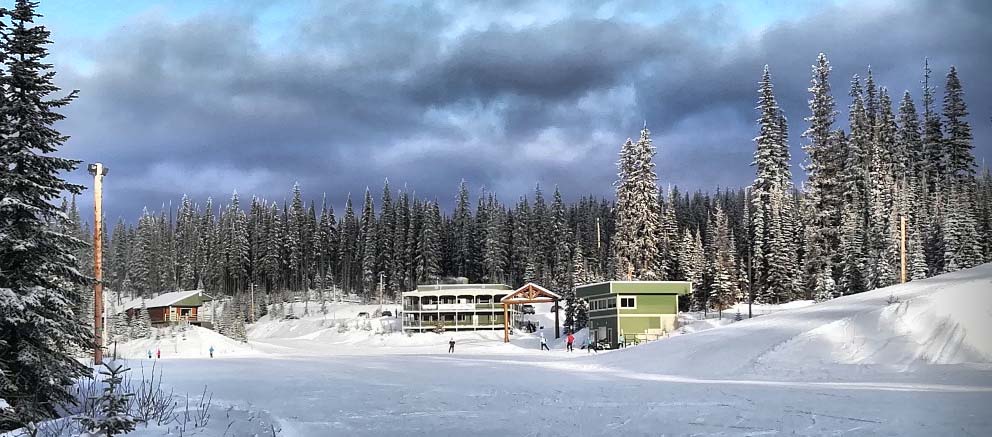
x: 568, y: 341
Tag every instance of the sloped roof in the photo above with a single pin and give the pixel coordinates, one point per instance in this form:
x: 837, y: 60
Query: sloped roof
x: 164, y: 299
x: 531, y: 292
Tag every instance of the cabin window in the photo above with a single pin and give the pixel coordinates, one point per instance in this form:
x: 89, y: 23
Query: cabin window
x: 628, y: 302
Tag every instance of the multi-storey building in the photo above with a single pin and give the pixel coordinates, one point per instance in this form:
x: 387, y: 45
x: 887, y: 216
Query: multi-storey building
x: 456, y: 307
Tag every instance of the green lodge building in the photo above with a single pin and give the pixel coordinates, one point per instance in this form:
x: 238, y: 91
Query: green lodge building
x: 636, y: 310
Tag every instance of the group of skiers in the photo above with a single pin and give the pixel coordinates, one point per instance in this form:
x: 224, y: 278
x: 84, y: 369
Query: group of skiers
x: 569, y: 341
x: 158, y: 352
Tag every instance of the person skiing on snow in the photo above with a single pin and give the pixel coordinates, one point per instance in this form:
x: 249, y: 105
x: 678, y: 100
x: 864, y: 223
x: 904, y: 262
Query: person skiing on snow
x: 589, y: 346
x: 568, y: 341
x: 211, y: 351
x: 149, y: 354
x: 544, y: 343
x: 158, y: 353
x: 451, y: 345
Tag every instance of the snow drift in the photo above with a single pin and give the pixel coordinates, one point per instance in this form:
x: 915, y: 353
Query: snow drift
x: 944, y: 320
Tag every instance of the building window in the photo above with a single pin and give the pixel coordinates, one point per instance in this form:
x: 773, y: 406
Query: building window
x: 628, y: 302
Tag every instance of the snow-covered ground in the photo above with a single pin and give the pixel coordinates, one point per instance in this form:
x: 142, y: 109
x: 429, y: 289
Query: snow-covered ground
x: 913, y: 359
x: 188, y: 342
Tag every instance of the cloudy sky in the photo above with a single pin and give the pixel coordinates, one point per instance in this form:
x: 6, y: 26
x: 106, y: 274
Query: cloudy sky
x: 205, y: 98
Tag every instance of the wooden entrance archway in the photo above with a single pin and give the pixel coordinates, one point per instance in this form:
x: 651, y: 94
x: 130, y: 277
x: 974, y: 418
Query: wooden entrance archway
x: 529, y: 293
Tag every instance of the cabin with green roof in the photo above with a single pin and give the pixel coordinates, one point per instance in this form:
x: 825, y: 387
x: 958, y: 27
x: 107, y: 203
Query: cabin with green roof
x: 636, y: 310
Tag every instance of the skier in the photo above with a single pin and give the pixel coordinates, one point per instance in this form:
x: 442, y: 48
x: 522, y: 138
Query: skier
x: 158, y: 353
x: 211, y: 351
x: 544, y: 343
x: 149, y: 354
x: 568, y: 341
x: 451, y: 345
x: 590, y: 346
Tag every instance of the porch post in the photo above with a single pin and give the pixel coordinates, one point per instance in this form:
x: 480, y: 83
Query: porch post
x: 506, y: 324
x: 557, y: 309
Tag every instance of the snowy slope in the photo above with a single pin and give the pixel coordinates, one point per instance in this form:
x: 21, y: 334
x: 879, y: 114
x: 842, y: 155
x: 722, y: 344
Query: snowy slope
x: 943, y: 320
x: 194, y: 342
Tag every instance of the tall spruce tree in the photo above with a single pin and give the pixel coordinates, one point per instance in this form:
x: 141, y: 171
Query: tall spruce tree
x: 773, y: 267
x: 961, y: 246
x: 635, y: 245
x: 823, y: 190
x: 368, y: 241
x: 39, y: 278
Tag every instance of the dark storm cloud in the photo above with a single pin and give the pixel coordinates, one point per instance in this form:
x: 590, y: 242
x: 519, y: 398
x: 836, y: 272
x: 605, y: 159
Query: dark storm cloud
x: 429, y: 95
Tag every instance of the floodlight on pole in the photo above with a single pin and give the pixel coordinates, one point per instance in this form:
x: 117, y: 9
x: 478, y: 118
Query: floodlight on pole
x: 98, y: 171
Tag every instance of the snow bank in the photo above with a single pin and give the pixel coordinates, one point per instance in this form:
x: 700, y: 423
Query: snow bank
x: 945, y: 320
x: 947, y: 326
x: 193, y: 342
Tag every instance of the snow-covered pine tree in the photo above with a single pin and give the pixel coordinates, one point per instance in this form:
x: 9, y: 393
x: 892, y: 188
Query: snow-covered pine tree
x: 236, y: 246
x: 984, y: 208
x: 853, y: 264
x: 144, y: 322
x: 931, y: 177
x: 961, y: 237
x: 520, y: 244
x: 428, y: 255
x: 539, y: 223
x: 462, y: 228
x: 635, y: 244
x: 780, y: 284
x: 582, y: 314
x: 120, y: 254
x: 118, y: 326
x: 385, y: 257
x: 39, y: 277
x: 856, y: 237
x: 825, y: 288
x: 165, y: 245
x: 186, y: 240
x: 401, y: 230
x: 722, y: 262
x: 236, y: 325
x: 883, y: 254
x: 347, y: 248
x: 111, y: 408
x: 823, y: 168
x: 494, y: 255
x: 294, y: 238
x: 205, y: 249
x: 771, y: 244
x: 872, y: 99
x: 667, y: 264
x: 561, y: 241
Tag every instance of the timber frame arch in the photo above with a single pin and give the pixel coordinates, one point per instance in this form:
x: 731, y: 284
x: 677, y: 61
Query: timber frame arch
x: 528, y: 293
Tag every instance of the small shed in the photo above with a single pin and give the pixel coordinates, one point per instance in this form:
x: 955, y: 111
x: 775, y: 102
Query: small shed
x: 172, y: 307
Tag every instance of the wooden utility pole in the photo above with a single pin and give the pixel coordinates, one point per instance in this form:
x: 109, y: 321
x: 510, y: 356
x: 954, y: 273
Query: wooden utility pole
x: 902, y: 246
x: 98, y: 171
